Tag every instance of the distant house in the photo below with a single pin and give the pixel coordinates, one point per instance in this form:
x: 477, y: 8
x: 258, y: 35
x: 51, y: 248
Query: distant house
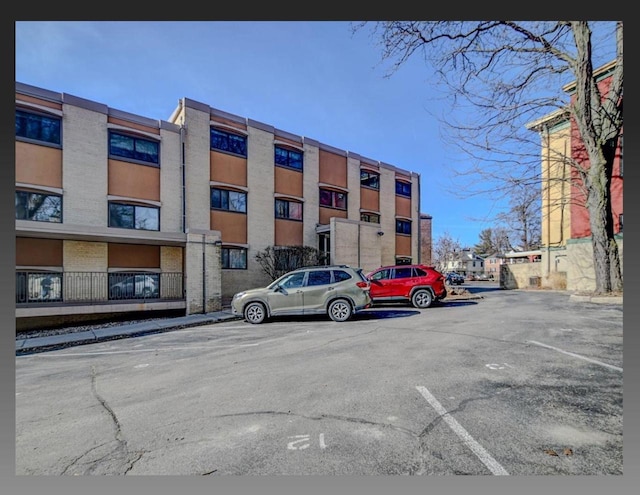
x: 492, y: 264
x: 465, y: 262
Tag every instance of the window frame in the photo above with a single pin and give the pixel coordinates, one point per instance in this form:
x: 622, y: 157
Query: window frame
x: 366, y: 217
x: 226, y: 192
x: 134, y: 221
x: 370, y: 175
x: 225, y: 257
x: 287, y: 209
x: 137, y: 156
x: 39, y: 117
x: 46, y: 195
x: 400, y: 224
x: 403, y: 188
x: 333, y: 194
x: 287, y: 153
x: 231, y: 140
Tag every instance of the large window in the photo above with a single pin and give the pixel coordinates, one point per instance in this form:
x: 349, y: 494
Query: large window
x: 134, y: 148
x: 333, y: 199
x: 223, y: 199
x: 369, y: 179
x: 38, y: 207
x: 234, y: 258
x: 226, y: 141
x: 38, y: 287
x: 288, y: 158
x: 127, y: 216
x: 403, y: 188
x: 134, y: 285
x: 45, y: 128
x: 290, y: 210
x: 403, y: 227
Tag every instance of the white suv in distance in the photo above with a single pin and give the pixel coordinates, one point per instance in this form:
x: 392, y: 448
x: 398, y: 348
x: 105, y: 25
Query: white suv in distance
x: 339, y: 291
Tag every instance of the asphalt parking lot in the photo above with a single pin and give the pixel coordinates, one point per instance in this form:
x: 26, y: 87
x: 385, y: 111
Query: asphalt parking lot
x: 514, y: 383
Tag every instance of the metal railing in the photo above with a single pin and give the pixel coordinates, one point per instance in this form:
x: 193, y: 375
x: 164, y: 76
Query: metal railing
x: 38, y: 287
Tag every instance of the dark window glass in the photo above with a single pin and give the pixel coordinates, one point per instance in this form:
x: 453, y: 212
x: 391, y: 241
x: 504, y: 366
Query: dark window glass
x: 418, y: 272
x: 370, y: 217
x: 234, y: 258
x: 319, y: 278
x: 134, y: 148
x: 226, y: 141
x: 333, y: 199
x: 38, y: 127
x: 288, y: 209
x: 403, y: 227
x: 288, y: 158
x: 402, y: 273
x: 38, y: 207
x: 382, y: 275
x: 340, y: 276
x: 126, y: 216
x: 370, y: 179
x: 223, y: 199
x: 403, y: 188
x: 134, y: 285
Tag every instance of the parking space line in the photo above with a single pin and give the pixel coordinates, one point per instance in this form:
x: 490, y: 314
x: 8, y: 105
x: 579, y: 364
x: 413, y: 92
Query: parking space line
x: 600, y: 363
x: 480, y: 452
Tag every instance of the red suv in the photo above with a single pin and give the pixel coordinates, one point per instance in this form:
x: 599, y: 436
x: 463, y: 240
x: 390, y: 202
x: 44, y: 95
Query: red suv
x: 420, y: 285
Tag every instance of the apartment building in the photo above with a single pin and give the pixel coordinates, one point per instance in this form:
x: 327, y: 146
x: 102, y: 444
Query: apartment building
x: 120, y: 213
x: 566, y: 251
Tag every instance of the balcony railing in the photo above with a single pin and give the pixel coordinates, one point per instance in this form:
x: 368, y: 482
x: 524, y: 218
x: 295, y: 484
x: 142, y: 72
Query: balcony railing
x: 38, y: 287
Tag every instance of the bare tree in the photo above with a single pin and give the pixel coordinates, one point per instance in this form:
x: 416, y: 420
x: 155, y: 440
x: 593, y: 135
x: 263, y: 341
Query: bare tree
x: 511, y: 73
x: 445, y: 249
x: 522, y: 220
x: 278, y: 260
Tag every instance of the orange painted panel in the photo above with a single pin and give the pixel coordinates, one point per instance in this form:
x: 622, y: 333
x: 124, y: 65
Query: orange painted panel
x: 327, y: 213
x: 333, y: 169
x: 134, y: 181
x: 233, y: 226
x: 133, y: 125
x: 288, y: 182
x: 369, y: 199
x: 288, y: 233
x: 40, y: 165
x: 403, y: 206
x: 133, y: 256
x: 38, y: 252
x: 38, y: 101
x: 228, y: 169
x: 403, y: 245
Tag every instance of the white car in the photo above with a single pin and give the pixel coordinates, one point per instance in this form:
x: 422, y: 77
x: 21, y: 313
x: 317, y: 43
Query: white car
x: 134, y: 286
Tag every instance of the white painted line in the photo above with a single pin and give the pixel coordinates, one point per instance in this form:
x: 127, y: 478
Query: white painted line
x: 322, y: 444
x: 484, y: 456
x: 600, y: 363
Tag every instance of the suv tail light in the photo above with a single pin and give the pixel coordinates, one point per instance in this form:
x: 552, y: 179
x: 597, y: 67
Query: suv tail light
x: 363, y: 285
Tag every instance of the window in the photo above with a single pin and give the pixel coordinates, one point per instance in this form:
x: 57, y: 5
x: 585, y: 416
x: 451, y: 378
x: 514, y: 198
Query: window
x: 45, y: 128
x: 620, y: 222
x: 333, y: 199
x: 134, y: 148
x: 288, y: 209
x: 226, y: 141
x: 288, y: 158
x: 403, y: 188
x: 319, y: 277
x: 38, y: 207
x: 292, y: 280
x: 223, y: 199
x: 403, y: 273
x: 384, y: 274
x: 340, y: 276
x: 370, y: 217
x: 369, y: 179
x: 38, y: 287
x: 134, y: 285
x: 126, y: 216
x: 403, y: 227
x: 234, y: 258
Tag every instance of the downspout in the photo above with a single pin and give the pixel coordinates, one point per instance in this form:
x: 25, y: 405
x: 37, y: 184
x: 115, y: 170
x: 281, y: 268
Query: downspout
x: 419, y: 224
x: 204, y: 277
x: 548, y: 151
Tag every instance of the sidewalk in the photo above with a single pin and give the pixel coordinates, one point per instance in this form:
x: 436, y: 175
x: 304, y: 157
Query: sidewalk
x: 39, y: 344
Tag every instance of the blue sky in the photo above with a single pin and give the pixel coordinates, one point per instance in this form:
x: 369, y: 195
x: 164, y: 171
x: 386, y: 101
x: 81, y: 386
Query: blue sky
x: 311, y: 78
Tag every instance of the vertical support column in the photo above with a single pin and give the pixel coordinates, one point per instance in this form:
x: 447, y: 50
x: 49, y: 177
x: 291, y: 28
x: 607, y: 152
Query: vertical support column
x: 203, y: 273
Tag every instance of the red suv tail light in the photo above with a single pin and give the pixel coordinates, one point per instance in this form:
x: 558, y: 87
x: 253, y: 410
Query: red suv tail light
x: 363, y: 285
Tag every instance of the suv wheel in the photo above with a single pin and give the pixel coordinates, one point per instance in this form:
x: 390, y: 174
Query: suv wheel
x: 340, y: 310
x: 422, y: 298
x: 255, y: 313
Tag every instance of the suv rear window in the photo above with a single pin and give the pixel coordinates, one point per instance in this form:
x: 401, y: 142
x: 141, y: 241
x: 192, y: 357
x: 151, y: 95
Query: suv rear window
x: 340, y: 276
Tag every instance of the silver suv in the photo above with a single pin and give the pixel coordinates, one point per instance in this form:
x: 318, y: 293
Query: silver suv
x: 339, y: 291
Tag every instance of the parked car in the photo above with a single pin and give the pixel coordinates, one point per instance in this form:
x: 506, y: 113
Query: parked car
x: 133, y: 286
x: 453, y: 278
x: 339, y: 291
x: 419, y: 285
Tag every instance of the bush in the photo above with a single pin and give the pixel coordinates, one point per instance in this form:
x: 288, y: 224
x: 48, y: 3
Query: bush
x: 278, y: 260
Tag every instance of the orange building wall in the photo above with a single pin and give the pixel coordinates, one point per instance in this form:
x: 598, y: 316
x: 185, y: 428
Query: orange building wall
x: 37, y: 101
x: 288, y: 233
x: 38, y: 252
x: 228, y: 169
x: 134, y: 181
x: 39, y: 165
x: 369, y: 199
x: 288, y: 182
x: 403, y: 206
x: 133, y: 256
x: 403, y: 245
x: 333, y: 169
x: 133, y: 125
x: 232, y: 226
x: 327, y: 213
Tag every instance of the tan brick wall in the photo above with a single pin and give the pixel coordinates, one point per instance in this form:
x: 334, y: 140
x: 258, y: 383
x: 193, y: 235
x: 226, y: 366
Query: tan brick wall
x: 81, y: 256
x: 388, y: 215
x: 353, y: 183
x: 170, y: 182
x: 84, y: 162
x: 580, y: 272
x: 203, y: 282
x: 356, y: 244
x: 171, y: 259
x: 311, y: 194
x: 198, y: 190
